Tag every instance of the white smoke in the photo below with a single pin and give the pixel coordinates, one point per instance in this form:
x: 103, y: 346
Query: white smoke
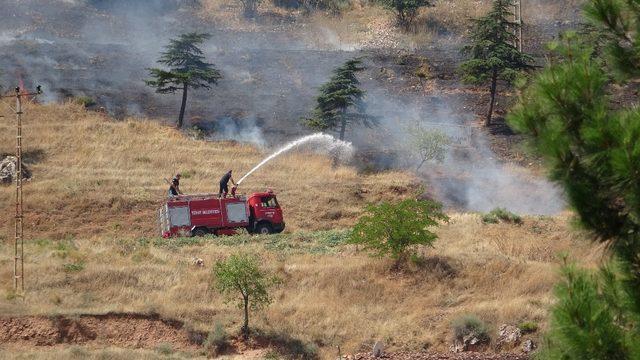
x: 245, y: 131
x: 318, y: 142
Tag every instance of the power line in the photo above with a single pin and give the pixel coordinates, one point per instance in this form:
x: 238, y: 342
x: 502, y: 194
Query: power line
x: 18, y: 259
x: 517, y: 14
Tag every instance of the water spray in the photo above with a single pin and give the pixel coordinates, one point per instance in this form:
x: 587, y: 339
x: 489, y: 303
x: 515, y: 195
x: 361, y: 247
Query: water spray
x: 325, y: 143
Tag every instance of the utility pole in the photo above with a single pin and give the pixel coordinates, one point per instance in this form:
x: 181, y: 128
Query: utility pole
x: 517, y: 14
x: 18, y: 259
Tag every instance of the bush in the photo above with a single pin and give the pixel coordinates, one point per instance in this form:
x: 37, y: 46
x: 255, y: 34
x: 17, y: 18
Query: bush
x: 85, y: 101
x: 406, y: 10
x: 470, y: 325
x: 528, y: 327
x: 393, y: 229
x: 500, y: 214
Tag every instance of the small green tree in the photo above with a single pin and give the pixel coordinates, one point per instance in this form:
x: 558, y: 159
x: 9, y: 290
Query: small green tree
x: 240, y: 280
x: 392, y: 230
x: 593, y: 146
x: 340, y: 102
x: 493, y: 55
x: 406, y: 10
x: 187, y: 69
x: 429, y: 144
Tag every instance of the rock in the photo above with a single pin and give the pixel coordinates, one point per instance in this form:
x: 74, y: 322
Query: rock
x: 469, y: 343
x: 528, y: 346
x: 8, y: 170
x: 377, y: 349
x: 508, y: 335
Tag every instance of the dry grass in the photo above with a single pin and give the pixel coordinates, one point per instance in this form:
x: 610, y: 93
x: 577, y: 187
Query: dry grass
x: 330, y: 296
x: 91, y: 245
x: 96, y: 177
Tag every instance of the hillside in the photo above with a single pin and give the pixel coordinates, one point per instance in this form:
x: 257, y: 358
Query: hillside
x: 92, y: 248
x: 93, y: 176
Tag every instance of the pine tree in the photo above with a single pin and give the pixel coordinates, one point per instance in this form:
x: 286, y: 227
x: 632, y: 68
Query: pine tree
x: 593, y: 145
x: 187, y: 69
x: 493, y: 55
x: 340, y: 102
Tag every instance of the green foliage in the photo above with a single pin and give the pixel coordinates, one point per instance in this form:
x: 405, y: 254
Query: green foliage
x: 393, y: 229
x: 593, y: 147
x: 501, y: 214
x: 528, y: 327
x: 85, y: 101
x: 586, y: 321
x: 187, y: 68
x: 406, y: 10
x: 340, y: 102
x: 240, y: 280
x: 618, y: 23
x: 429, y: 144
x: 175, y: 243
x: 301, y: 242
x: 73, y: 267
x: 493, y: 55
x: 492, y: 47
x: 470, y: 325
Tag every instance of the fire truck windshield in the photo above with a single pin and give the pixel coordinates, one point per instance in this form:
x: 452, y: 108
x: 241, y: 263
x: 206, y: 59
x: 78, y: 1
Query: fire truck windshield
x: 269, y: 202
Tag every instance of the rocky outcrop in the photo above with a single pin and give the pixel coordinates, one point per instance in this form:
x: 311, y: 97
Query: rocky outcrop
x: 8, y: 166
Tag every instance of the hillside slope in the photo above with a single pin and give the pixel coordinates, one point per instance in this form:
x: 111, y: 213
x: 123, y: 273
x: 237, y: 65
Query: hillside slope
x: 95, y: 176
x: 92, y: 246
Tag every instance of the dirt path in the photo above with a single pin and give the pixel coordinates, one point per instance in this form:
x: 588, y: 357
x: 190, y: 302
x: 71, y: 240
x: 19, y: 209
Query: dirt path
x: 115, y: 329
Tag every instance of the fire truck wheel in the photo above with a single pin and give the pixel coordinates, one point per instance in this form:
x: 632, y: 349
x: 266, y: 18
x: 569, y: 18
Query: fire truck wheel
x: 200, y: 232
x: 263, y: 229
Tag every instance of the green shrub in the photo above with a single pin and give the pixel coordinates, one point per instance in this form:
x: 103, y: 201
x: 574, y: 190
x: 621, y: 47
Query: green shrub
x: 73, y: 267
x: 528, y: 327
x: 405, y: 10
x: 467, y: 325
x: 500, y: 214
x: 85, y: 101
x: 393, y: 229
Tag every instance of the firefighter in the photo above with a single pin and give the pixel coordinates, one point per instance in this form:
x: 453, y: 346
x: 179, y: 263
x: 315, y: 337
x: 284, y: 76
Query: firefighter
x: 174, y: 186
x: 224, y: 184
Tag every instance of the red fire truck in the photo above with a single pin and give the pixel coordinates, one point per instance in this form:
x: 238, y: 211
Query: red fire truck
x: 198, y: 215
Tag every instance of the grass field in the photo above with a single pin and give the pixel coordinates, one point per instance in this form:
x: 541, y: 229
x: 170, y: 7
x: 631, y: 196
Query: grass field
x: 92, y: 246
x: 93, y: 176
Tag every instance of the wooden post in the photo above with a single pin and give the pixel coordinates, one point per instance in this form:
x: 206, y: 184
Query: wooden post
x: 18, y: 260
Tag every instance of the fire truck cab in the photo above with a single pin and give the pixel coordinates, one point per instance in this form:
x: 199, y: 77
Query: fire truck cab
x: 202, y: 214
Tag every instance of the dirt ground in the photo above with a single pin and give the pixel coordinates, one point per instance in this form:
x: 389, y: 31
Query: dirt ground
x: 122, y: 330
x: 136, y: 331
x: 441, y: 356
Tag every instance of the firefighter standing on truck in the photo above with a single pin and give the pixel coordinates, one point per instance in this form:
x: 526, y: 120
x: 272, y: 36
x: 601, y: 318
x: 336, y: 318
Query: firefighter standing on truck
x: 174, y: 186
x: 224, y: 184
